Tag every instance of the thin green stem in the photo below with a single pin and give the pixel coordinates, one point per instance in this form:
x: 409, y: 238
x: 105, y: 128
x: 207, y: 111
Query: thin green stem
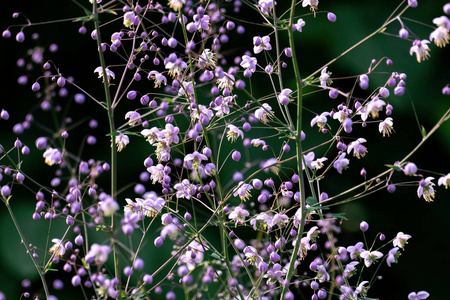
x: 303, y: 211
x: 112, y: 129
x: 24, y: 242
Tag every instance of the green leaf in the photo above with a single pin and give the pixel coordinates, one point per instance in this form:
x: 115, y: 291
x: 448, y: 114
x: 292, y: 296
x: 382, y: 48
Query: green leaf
x: 84, y: 263
x: 396, y: 168
x: 424, y: 132
x: 115, y: 133
x: 311, y: 201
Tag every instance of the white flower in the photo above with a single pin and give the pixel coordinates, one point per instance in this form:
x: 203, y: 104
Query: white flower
x: 421, y: 49
x: 312, y: 3
x: 128, y: 19
x: 444, y: 180
x: 370, y: 257
x: 358, y: 149
x: 264, y: 113
x: 401, y: 240
x: 325, y: 77
x: 109, y: 73
x: 122, y: 141
x: 176, y: 4
x: 440, y: 36
x: 234, y: 132
x: 58, y: 248
x: 320, y: 120
x: 52, y: 156
x: 261, y: 43
x: 386, y: 127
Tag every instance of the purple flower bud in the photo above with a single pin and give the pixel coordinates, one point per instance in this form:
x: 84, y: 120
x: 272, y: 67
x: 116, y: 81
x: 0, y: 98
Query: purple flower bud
x: 237, y: 176
x: 35, y: 87
x: 446, y: 89
x: 240, y: 84
x: 286, y: 148
x: 127, y: 271
x: 347, y: 123
x: 274, y: 257
x: 76, y: 280
x: 148, y: 279
x: 61, y: 81
x: 187, y: 216
x: 230, y: 25
x: 4, y: 115
x: 269, y: 182
x: 158, y: 241
x: 20, y: 37
x: 295, y: 178
x: 403, y: 33
x: 5, y: 191
x: 363, y: 172
x: 412, y: 3
x: 240, y: 29
x: 257, y: 183
x: 363, y: 226
x: 382, y: 237
x: 447, y: 8
x: 391, y: 188
x: 410, y: 169
x: 239, y: 244
x: 79, y: 240
x: 6, y: 34
x: 172, y: 42
x: 131, y: 95
x: 384, y: 92
x: 288, y: 52
x: 333, y: 93
x: 399, y: 91
x: 331, y: 17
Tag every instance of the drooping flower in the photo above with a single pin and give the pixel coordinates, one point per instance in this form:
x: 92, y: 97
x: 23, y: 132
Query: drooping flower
x: 243, y: 190
x: 226, y: 82
x: 52, y: 156
x: 128, y: 19
x: 386, y: 127
x: 358, y: 149
x: 421, y: 49
x: 195, y: 158
x: 372, y: 108
x: 392, y: 256
x: 158, y: 78
x: 440, y: 35
x: 444, y: 180
x: 426, y: 189
x: 350, y: 269
x: 370, y: 257
x: 324, y: 76
x: 176, y: 5
x: 58, y: 248
x: 238, y: 215
x: 207, y: 59
x: 249, y: 63
x: 265, y: 6
x: 122, y: 141
x: 283, y: 97
x: 98, y: 254
x: 184, y: 189
x: 320, y: 120
x: 175, y: 65
x: 312, y: 3
x: 109, y: 74
x: 356, y: 250
x: 134, y: 118
x: 401, y: 240
x: 341, y: 163
x: 234, y: 132
x: 264, y: 113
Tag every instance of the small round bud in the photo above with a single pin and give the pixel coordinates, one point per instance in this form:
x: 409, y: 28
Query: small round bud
x: 331, y: 17
x: 364, y: 226
x: 20, y: 37
x: 35, y: 87
x: 391, y: 188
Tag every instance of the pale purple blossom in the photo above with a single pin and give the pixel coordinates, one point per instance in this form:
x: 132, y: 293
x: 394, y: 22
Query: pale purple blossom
x: 249, y: 63
x: 356, y: 250
x: 134, y: 118
x: 299, y: 25
x: 243, y: 190
x: 283, y: 97
x: 401, y: 240
x: 261, y: 43
x: 184, y: 189
x: 207, y: 59
x: 386, y: 127
x: 234, y: 132
x: 265, y: 6
x: 52, y: 156
x: 358, y: 149
x: 320, y: 120
x: 324, y: 77
x: 98, y: 254
x: 195, y: 158
x: 109, y: 74
x: 426, y: 189
x: 392, y: 256
x: 238, y: 215
x: 158, y: 78
x: 264, y: 113
x: 341, y: 163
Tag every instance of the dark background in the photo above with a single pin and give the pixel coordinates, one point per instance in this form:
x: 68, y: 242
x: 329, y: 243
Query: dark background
x: 424, y: 264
